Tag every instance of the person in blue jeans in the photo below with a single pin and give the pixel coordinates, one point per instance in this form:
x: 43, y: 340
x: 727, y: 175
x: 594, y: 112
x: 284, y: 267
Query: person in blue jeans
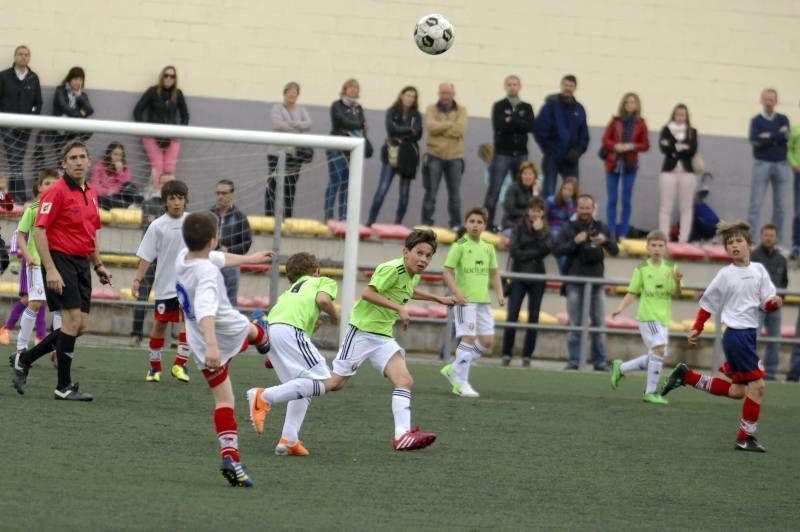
x: 561, y: 131
x: 625, y: 137
x: 348, y: 120
x: 400, y: 153
x: 769, y: 136
x: 777, y: 267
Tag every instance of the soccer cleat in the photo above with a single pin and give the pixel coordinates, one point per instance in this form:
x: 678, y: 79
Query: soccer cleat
x: 5, y: 336
x: 153, y: 375
x: 468, y: 391
x: 750, y: 444
x: 284, y: 449
x: 259, y: 408
x: 413, y: 440
x: 234, y: 473
x: 19, y: 372
x: 448, y: 373
x: 72, y: 393
x: 674, y: 379
x: 268, y: 363
x: 655, y: 399
x: 15, y: 265
x: 616, y: 374
x: 180, y: 373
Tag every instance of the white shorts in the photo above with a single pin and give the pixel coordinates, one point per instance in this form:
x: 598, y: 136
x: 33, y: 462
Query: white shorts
x: 35, y: 284
x: 293, y: 355
x: 474, y: 319
x: 653, y: 333
x: 359, y: 346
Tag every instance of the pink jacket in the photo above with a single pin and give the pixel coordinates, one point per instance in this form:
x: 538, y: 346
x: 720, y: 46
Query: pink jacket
x: 106, y: 184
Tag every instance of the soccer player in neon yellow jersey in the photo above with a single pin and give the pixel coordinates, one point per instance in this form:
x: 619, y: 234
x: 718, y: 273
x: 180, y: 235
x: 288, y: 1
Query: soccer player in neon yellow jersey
x: 470, y: 267
x: 370, y: 337
x: 655, y: 282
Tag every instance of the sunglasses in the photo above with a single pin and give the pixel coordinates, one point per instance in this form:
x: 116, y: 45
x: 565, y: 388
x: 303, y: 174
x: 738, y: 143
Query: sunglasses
x: 169, y: 76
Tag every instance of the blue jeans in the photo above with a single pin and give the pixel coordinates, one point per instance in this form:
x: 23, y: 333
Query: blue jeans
x: 387, y: 174
x: 794, y: 364
x: 772, y: 321
x: 620, y: 230
x: 796, y: 221
x: 433, y: 169
x: 596, y: 319
x: 231, y: 276
x: 501, y: 164
x: 764, y: 173
x: 338, y: 170
x: 551, y: 169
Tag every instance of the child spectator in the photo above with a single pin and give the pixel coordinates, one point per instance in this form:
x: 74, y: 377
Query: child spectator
x: 561, y: 209
x: 519, y: 194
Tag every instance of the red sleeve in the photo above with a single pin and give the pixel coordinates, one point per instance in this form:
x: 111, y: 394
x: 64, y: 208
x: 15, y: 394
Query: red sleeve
x: 771, y: 306
x: 643, y: 137
x: 608, y: 137
x: 49, y: 206
x: 702, y: 317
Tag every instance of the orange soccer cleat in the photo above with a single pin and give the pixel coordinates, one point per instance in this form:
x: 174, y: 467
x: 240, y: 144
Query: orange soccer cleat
x: 284, y: 449
x: 258, y: 408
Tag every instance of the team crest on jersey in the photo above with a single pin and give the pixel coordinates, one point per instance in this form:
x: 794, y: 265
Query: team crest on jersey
x: 46, y: 206
x: 161, y: 308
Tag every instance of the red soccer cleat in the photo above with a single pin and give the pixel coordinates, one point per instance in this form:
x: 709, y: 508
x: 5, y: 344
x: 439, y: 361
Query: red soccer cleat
x: 267, y: 363
x: 413, y: 440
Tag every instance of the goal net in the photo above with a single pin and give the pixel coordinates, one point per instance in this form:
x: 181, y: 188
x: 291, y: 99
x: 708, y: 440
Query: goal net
x: 129, y: 163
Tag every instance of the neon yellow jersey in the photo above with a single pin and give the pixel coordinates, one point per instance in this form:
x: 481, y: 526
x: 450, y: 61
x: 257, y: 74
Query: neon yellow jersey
x: 655, y: 286
x: 473, y: 263
x: 298, y: 305
x: 392, y: 281
x: 26, y: 225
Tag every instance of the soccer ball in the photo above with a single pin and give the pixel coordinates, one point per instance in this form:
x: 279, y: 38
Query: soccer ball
x: 434, y: 34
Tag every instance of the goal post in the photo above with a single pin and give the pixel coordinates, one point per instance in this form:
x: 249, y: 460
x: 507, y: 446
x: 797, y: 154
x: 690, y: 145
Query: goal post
x: 352, y: 145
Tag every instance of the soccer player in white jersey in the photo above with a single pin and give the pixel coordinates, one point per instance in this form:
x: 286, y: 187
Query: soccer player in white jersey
x: 216, y: 332
x: 162, y: 242
x: 738, y: 292
x: 292, y: 322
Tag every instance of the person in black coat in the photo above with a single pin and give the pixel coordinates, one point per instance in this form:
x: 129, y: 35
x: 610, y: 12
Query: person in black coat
x: 400, y: 153
x: 162, y: 104
x: 21, y: 93
x: 531, y: 242
x: 677, y: 181
x: 518, y: 196
x: 69, y: 100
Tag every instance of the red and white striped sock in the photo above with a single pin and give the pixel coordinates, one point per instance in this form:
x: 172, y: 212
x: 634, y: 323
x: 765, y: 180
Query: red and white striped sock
x: 227, y: 433
x: 749, y: 422
x: 712, y: 385
x: 156, y: 347
x: 182, y: 357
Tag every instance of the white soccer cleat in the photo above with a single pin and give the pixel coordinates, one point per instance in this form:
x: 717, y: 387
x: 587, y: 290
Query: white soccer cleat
x: 468, y: 391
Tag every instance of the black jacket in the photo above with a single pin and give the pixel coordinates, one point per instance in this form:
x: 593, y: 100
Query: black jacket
x: 529, y: 247
x: 234, y: 231
x: 21, y: 97
x: 515, y: 205
x: 584, y: 259
x: 153, y: 108
x: 61, y: 104
x: 774, y: 263
x: 345, y: 119
x: 404, y: 128
x: 671, y: 155
x: 511, y: 127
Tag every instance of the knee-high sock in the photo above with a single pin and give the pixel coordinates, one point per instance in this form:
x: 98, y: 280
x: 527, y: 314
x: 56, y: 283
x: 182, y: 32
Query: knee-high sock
x: 480, y: 350
x: 26, y: 324
x: 654, y: 365
x: 712, y: 385
x: 14, y: 314
x: 41, y: 349
x: 299, y: 388
x: 65, y: 347
x: 227, y: 433
x: 749, y: 422
x: 295, y: 414
x: 41, y: 322
x: 637, y: 364
x: 156, y: 351
x: 464, y: 355
x: 182, y: 357
x: 401, y: 409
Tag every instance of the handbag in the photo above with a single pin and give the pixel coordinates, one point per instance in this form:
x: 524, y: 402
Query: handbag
x: 163, y: 143
x: 698, y: 164
x: 304, y: 154
x: 392, y: 154
x: 368, y: 149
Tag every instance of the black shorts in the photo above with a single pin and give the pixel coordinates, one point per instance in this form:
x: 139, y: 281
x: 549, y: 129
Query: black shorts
x: 76, y: 273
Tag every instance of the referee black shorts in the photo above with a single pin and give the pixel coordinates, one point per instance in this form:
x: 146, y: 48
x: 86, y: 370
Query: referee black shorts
x: 76, y: 273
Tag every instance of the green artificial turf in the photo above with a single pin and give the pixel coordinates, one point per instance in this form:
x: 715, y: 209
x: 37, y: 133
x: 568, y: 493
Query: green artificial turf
x: 538, y: 450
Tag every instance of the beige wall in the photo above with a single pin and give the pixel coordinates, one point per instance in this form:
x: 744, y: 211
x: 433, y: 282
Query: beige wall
x: 713, y: 55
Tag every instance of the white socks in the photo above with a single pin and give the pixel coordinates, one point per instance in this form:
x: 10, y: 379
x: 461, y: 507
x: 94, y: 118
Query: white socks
x: 465, y: 355
x: 401, y: 409
x: 294, y: 389
x: 654, y: 365
x: 637, y: 364
x: 26, y: 323
x: 295, y: 414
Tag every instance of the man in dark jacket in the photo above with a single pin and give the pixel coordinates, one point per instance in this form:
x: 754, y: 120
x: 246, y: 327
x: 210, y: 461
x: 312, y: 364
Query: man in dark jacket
x: 512, y: 121
x: 583, y: 242
x: 767, y: 254
x: 235, y: 235
x: 562, y: 134
x: 20, y: 93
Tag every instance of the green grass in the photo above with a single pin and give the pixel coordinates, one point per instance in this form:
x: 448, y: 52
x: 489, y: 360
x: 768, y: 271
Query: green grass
x: 539, y: 450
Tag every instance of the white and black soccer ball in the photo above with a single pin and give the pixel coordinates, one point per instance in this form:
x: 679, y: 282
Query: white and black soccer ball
x: 434, y: 34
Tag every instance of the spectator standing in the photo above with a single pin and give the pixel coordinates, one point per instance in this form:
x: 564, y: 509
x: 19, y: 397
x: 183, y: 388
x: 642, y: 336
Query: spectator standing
x: 66, y: 236
x: 111, y: 179
x: 625, y: 137
x: 515, y: 206
x: 20, y: 93
x: 287, y: 117
x: 584, y: 242
x: 162, y: 104
x: 348, y: 120
x: 446, y: 122
x: 769, y: 136
x: 530, y: 244
x: 400, y: 153
x: 793, y: 156
x: 778, y: 269
x: 561, y: 131
x: 71, y: 100
x: 512, y: 121
x: 235, y: 235
x: 678, y: 143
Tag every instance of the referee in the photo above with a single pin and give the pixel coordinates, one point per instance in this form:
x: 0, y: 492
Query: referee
x: 65, y: 235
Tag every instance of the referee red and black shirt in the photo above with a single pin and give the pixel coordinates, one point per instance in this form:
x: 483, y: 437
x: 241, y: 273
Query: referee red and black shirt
x: 70, y: 216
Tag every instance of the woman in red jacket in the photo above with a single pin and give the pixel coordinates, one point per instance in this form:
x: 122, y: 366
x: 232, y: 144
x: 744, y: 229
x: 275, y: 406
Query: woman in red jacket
x: 625, y: 136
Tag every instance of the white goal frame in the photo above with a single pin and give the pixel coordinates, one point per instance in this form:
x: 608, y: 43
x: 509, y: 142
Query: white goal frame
x: 353, y: 145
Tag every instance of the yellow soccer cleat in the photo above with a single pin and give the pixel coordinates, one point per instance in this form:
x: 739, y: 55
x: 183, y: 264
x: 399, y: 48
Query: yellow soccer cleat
x: 180, y: 373
x: 284, y: 449
x: 153, y: 376
x: 258, y: 408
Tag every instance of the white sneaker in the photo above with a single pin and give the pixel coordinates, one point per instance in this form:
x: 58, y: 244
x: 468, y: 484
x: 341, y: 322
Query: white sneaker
x: 468, y: 391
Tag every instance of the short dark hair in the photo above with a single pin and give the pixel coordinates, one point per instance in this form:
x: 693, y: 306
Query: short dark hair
x: 301, y: 264
x: 71, y: 146
x: 199, y: 228
x: 75, y: 72
x: 174, y: 188
x: 480, y: 211
x: 570, y: 77
x: 421, y: 236
x: 770, y: 226
x: 227, y: 182
x: 584, y: 196
x: 46, y: 173
x: 537, y: 203
x: 729, y: 230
